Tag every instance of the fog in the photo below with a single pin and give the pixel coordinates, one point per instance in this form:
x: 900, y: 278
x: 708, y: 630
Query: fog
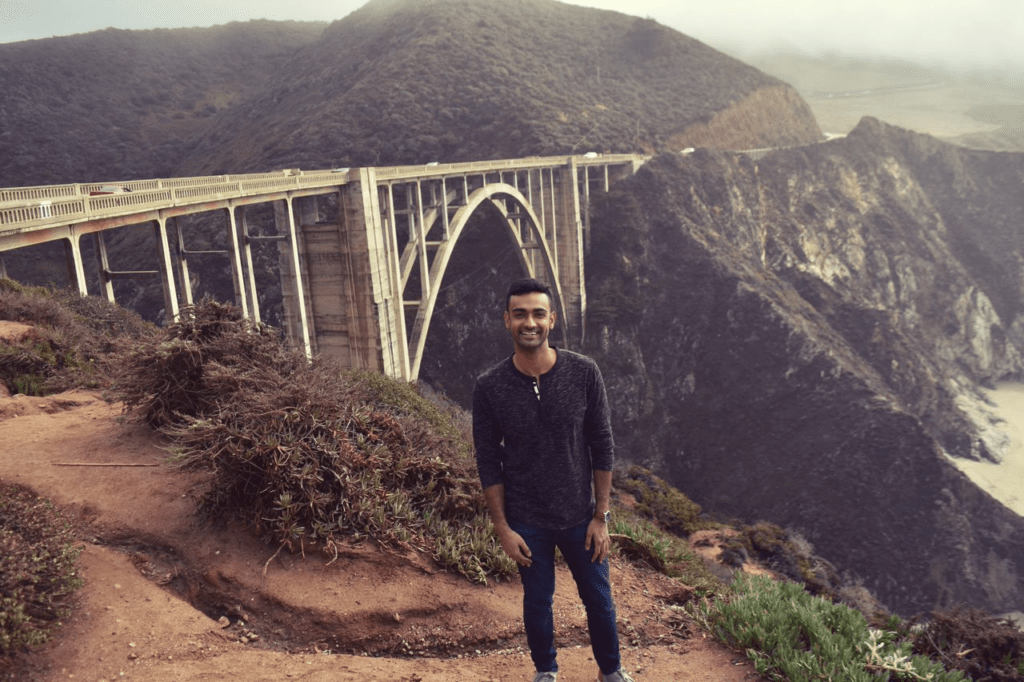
x: 981, y: 34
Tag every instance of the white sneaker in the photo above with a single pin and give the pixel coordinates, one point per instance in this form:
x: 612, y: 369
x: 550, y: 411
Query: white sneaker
x: 545, y: 677
x: 619, y: 675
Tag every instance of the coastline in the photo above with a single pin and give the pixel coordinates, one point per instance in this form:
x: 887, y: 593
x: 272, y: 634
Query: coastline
x: 1005, y: 480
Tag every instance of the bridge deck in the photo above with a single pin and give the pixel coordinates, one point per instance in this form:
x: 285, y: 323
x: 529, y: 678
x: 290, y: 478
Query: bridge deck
x: 24, y: 209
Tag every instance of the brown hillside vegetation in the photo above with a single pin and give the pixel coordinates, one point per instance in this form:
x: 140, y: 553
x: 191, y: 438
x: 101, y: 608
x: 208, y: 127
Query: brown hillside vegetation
x: 360, y: 593
x: 116, y: 104
x: 454, y: 80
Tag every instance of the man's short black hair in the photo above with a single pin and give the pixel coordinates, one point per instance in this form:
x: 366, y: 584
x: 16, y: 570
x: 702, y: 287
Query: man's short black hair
x: 528, y: 285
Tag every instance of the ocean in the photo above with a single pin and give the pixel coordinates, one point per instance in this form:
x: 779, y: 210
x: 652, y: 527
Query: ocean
x: 1004, y: 481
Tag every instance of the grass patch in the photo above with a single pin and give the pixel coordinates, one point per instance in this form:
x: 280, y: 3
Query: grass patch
x: 639, y: 540
x: 37, y: 570
x: 794, y: 636
x: 660, y: 502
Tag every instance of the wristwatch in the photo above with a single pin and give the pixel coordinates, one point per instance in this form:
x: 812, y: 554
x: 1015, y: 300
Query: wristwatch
x: 603, y: 516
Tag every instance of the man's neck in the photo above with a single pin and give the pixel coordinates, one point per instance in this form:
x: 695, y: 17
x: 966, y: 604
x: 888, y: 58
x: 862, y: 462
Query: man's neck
x: 535, y: 362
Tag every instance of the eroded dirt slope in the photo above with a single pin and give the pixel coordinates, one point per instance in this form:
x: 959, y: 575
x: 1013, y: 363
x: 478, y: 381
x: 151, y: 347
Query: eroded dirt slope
x: 169, y: 597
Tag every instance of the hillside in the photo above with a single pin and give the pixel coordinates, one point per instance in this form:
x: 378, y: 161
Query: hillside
x: 116, y: 104
x: 455, y: 80
x: 799, y: 339
x: 158, y: 582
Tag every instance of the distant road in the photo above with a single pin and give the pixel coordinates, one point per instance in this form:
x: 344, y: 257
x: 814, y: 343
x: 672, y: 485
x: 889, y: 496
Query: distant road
x: 871, y: 92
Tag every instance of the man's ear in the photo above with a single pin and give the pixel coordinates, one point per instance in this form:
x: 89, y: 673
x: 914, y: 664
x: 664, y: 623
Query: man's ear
x: 554, y: 318
x: 508, y: 320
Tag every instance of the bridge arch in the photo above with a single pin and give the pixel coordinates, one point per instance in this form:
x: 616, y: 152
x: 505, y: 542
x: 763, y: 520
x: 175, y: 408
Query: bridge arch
x: 499, y: 195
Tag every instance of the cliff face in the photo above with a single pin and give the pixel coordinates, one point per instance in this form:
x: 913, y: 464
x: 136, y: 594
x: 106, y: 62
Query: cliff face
x: 798, y: 340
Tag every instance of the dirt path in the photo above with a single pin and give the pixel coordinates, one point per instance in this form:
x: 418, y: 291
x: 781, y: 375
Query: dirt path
x: 167, y: 597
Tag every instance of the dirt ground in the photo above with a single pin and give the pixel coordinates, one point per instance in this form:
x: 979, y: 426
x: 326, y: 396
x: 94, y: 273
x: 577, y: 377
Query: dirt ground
x: 169, y: 597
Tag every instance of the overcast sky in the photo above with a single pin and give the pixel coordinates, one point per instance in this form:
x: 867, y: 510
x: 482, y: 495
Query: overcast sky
x: 968, y: 33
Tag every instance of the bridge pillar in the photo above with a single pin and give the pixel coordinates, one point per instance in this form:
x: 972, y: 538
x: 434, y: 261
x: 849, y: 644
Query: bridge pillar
x: 237, y: 277
x: 293, y: 291
x: 254, y: 297
x: 375, y: 311
x: 184, y: 278
x: 352, y: 296
x: 106, y: 281
x: 568, y: 238
x: 76, y: 271
x: 166, y: 269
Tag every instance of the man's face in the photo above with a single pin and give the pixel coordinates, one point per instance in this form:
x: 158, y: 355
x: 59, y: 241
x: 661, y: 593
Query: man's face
x: 530, y: 318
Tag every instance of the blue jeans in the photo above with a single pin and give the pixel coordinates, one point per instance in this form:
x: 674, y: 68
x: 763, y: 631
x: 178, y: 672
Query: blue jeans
x: 592, y: 582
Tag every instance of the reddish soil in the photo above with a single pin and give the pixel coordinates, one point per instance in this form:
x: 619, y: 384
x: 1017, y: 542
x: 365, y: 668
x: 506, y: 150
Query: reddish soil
x: 169, y: 597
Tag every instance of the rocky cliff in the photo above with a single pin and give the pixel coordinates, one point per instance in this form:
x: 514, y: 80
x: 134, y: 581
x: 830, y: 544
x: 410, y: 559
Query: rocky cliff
x: 798, y: 339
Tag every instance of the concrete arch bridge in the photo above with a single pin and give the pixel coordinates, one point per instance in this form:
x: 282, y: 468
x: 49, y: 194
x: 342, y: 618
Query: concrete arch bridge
x: 362, y: 251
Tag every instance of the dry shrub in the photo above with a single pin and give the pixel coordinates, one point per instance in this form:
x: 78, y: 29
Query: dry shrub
x: 71, y: 341
x: 37, y: 570
x: 984, y: 647
x: 210, y: 353
x: 306, y: 453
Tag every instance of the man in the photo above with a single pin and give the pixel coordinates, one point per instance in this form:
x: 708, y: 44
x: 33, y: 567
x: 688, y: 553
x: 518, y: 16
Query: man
x: 544, y: 451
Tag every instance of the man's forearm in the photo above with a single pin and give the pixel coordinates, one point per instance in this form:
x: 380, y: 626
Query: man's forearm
x: 602, y: 490
x: 495, y: 497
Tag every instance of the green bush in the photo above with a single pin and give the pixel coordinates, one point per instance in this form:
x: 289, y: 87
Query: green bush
x: 37, y: 570
x: 792, y: 635
x: 660, y: 502
x: 645, y: 542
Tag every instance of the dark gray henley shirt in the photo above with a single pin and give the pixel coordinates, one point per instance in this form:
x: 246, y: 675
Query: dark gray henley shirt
x: 543, y: 450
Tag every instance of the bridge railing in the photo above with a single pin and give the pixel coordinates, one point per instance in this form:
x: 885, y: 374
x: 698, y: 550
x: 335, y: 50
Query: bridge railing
x: 27, y: 208
x: 44, y: 192
x: 474, y: 167
x: 30, y: 207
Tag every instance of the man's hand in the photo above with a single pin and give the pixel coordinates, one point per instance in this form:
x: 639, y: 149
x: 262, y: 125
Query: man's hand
x: 597, y: 533
x: 514, y: 545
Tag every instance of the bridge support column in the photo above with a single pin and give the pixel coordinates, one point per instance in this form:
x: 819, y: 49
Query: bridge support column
x: 166, y: 270
x: 293, y: 291
x: 376, y: 313
x: 106, y: 281
x: 76, y: 271
x: 184, y: 278
x: 568, y: 240
x: 237, y: 279
x: 247, y: 256
x: 358, y: 317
